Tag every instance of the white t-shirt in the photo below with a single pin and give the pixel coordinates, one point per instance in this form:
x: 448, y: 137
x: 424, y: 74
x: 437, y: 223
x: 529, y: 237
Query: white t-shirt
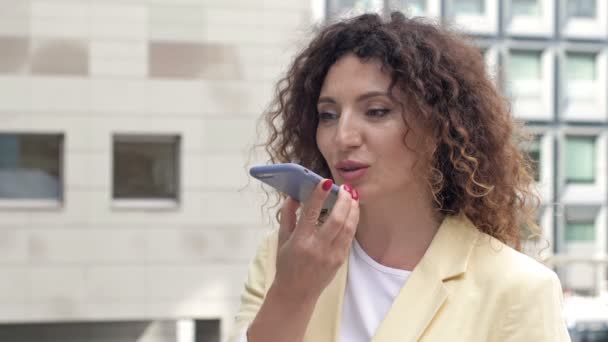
x: 370, y: 291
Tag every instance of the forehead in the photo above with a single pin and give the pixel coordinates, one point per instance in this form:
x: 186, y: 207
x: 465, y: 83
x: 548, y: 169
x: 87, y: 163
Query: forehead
x: 350, y: 73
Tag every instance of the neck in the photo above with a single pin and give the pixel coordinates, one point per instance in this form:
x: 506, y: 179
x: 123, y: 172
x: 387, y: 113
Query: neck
x: 397, y: 230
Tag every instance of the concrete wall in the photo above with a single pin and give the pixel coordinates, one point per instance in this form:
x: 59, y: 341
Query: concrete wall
x: 89, y: 259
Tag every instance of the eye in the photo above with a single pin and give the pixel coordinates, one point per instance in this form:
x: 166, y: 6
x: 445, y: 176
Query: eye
x: 327, y: 116
x: 377, y: 112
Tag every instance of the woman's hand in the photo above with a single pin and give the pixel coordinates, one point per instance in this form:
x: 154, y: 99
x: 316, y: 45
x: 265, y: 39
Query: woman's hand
x: 310, y: 253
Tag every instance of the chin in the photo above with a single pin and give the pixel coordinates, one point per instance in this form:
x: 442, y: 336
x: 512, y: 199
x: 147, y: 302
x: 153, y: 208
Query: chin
x: 364, y: 194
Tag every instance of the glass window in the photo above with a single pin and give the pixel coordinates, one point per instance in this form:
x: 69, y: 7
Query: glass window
x: 580, y: 66
x: 581, y: 8
x: 476, y: 7
x: 534, y: 154
x: 412, y: 7
x: 338, y: 7
x: 31, y: 166
x: 145, y: 167
x: 525, y: 65
x: 580, y: 159
x: 526, y: 8
x: 580, y: 231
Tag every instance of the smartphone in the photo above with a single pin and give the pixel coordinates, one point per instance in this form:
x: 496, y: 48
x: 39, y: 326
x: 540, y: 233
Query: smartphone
x: 294, y: 180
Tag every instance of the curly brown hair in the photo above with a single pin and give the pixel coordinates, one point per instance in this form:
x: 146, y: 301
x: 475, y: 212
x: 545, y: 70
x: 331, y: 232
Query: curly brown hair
x: 476, y: 166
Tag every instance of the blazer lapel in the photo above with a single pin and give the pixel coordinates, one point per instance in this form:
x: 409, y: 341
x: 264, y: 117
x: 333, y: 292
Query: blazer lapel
x: 413, y: 309
x: 425, y: 292
x: 324, y: 324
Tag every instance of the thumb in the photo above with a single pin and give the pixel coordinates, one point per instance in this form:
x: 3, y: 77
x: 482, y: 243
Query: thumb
x: 287, y: 221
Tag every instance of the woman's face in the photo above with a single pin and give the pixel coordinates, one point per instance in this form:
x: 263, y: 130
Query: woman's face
x: 361, y: 131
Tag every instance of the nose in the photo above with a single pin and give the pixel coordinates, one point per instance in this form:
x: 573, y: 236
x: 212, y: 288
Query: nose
x: 348, y: 134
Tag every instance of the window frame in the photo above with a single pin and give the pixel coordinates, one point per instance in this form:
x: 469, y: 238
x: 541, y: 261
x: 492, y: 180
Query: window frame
x: 584, y: 28
x: 537, y: 139
x: 596, y: 110
x: 148, y: 203
x: 594, y: 179
x: 547, y: 62
x: 34, y: 203
x: 377, y: 6
x: 577, y: 213
x: 491, y: 57
x: 568, y: 223
x: 320, y: 9
x: 534, y: 26
x: 483, y: 24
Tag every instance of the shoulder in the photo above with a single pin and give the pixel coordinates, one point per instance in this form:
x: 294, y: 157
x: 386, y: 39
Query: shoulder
x: 528, y: 293
x: 506, y: 266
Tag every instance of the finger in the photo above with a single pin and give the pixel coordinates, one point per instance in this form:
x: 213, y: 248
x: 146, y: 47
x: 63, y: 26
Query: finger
x: 336, y: 219
x: 287, y: 221
x: 313, y: 206
x: 345, y: 237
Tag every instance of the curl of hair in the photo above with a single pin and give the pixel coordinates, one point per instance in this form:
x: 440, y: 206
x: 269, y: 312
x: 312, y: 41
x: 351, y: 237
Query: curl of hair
x: 476, y: 166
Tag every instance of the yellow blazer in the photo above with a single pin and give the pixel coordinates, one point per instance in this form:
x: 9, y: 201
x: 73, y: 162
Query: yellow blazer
x: 467, y: 287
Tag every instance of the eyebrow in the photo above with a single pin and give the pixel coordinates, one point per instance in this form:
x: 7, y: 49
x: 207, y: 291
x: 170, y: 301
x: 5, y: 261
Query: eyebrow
x: 365, y: 96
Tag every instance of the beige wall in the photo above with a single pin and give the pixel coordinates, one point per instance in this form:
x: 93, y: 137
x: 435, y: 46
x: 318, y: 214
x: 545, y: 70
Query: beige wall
x: 90, y: 260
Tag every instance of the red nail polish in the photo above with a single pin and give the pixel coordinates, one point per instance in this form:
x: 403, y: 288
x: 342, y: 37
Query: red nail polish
x: 348, y: 188
x: 355, y: 194
x: 327, y: 184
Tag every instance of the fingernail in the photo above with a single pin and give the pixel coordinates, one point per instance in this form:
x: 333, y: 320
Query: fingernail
x: 348, y: 188
x: 355, y: 194
x: 327, y: 184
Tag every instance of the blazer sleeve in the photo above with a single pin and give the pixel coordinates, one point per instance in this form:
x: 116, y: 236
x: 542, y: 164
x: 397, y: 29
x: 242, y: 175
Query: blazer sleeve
x: 534, y: 312
x: 258, y: 280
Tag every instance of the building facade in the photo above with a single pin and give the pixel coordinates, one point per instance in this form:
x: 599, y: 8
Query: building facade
x: 125, y: 206
x: 125, y: 128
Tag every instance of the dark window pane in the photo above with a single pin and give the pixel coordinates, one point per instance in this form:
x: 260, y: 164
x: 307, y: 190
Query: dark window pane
x: 100, y: 331
x: 534, y: 154
x: 525, y: 65
x: 207, y: 330
x: 580, y: 159
x: 581, y: 66
x: 30, y: 166
x: 145, y: 167
x: 580, y: 231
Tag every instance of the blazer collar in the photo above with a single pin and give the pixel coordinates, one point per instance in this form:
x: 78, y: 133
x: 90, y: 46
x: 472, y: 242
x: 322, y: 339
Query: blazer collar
x: 418, y: 301
x: 425, y: 291
x: 449, y: 252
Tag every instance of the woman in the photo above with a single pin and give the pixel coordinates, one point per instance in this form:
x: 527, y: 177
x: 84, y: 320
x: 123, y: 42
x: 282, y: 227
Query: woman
x: 421, y: 243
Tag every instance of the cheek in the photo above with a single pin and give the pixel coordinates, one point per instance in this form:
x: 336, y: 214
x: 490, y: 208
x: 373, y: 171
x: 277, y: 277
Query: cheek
x: 322, y: 143
x: 400, y: 157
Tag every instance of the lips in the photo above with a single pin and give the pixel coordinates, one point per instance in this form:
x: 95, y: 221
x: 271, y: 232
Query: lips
x: 350, y: 170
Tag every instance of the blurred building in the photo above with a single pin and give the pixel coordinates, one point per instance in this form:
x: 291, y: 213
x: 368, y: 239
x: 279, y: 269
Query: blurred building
x: 550, y: 58
x: 125, y: 127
